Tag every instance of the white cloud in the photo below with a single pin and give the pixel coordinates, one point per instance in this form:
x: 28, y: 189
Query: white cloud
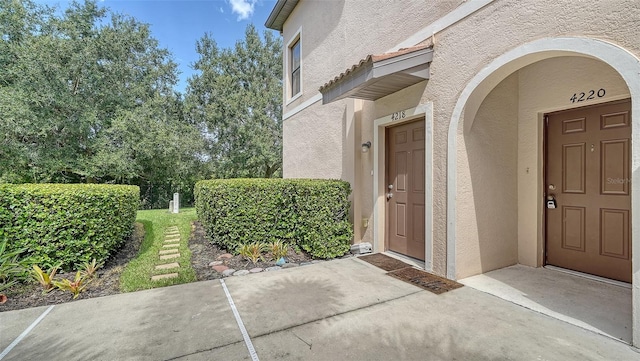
x: 221, y: 10
x: 244, y: 8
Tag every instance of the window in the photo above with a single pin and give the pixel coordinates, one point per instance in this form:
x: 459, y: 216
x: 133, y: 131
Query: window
x: 294, y: 75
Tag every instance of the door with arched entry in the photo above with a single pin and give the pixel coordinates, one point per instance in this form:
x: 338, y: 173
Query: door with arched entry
x: 588, y: 190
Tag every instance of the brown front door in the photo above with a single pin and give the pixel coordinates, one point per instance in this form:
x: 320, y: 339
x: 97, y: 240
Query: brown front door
x: 587, y: 172
x: 405, y: 189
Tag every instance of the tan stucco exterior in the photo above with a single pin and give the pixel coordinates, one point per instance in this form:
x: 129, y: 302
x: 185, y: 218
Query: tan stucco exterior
x: 497, y: 67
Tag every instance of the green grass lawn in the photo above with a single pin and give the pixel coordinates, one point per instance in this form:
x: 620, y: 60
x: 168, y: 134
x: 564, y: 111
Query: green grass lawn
x: 137, y: 274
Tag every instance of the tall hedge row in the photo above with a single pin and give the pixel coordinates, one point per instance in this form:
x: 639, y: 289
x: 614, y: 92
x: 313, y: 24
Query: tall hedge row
x: 310, y: 214
x: 67, y: 223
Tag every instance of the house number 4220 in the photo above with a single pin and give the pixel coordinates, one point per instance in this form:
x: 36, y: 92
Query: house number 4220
x: 591, y: 94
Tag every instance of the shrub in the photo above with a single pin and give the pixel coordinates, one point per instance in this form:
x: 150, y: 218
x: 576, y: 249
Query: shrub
x: 66, y: 224
x: 309, y: 214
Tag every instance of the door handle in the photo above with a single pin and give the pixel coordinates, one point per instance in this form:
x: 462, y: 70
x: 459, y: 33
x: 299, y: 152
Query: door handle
x: 389, y: 195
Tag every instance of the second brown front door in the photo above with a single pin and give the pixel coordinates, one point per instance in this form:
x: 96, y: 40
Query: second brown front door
x: 405, y: 189
x: 588, y: 181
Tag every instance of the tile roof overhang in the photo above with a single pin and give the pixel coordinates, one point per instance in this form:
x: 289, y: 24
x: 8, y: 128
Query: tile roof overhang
x: 377, y: 76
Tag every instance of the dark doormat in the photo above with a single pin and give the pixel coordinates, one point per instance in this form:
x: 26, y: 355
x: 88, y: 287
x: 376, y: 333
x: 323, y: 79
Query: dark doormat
x: 425, y: 280
x: 383, y: 261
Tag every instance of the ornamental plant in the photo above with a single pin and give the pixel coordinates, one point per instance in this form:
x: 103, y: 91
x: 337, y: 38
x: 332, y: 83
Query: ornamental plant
x: 45, y: 279
x: 278, y: 250
x: 89, y: 269
x: 252, y: 251
x: 12, y: 268
x: 75, y: 287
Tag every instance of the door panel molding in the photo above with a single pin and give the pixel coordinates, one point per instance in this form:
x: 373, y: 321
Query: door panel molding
x: 573, y: 228
x: 573, y: 159
x: 614, y: 180
x: 614, y: 243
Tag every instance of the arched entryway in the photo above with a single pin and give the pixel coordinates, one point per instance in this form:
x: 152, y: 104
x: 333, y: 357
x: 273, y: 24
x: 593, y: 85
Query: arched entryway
x: 495, y: 153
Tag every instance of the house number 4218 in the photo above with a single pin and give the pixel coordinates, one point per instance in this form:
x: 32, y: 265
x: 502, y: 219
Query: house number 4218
x: 591, y: 94
x: 398, y: 115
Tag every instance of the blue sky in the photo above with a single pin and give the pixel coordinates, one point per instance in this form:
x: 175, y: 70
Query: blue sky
x: 178, y: 24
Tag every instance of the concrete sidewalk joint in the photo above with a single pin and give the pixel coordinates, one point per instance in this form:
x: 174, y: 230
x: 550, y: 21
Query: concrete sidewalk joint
x: 243, y: 330
x: 13, y: 344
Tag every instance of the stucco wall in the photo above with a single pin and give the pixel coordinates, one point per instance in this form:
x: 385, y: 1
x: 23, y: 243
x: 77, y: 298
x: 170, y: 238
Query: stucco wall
x: 499, y: 223
x: 487, y: 231
x: 461, y: 51
x: 465, y: 48
x: 316, y: 143
x: 338, y: 34
x: 334, y: 36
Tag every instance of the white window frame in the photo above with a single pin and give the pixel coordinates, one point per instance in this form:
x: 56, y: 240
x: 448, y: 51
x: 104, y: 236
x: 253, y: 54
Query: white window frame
x: 297, y: 37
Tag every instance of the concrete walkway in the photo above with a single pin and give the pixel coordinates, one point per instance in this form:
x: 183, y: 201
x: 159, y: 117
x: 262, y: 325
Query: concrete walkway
x: 338, y: 310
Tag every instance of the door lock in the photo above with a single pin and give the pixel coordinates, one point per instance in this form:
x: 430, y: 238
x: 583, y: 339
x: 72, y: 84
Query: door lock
x: 389, y: 195
x: 551, y: 202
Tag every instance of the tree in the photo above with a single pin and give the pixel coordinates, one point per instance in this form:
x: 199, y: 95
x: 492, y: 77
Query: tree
x: 236, y: 100
x: 87, y: 96
x: 152, y: 147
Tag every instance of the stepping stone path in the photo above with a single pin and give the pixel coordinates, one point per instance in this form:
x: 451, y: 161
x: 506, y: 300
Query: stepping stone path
x: 229, y: 272
x: 220, y: 268
x: 168, y: 266
x: 169, y: 251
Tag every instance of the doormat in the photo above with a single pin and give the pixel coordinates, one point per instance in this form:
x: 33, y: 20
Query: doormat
x: 383, y: 261
x: 425, y: 280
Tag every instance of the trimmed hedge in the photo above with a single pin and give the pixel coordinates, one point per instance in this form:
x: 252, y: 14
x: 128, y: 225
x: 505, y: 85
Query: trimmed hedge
x: 67, y: 223
x: 307, y: 213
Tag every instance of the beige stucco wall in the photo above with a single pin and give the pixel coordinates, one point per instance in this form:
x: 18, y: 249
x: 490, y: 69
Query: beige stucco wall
x: 314, y: 151
x: 465, y: 48
x: 461, y: 51
x: 334, y: 36
x: 500, y: 161
x: 487, y: 231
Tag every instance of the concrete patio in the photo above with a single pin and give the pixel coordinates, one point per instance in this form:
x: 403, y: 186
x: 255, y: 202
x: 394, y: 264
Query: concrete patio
x: 604, y: 308
x: 343, y: 309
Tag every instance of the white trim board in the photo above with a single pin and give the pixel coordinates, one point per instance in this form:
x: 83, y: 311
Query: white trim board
x: 309, y: 102
x: 379, y: 145
x: 442, y: 23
